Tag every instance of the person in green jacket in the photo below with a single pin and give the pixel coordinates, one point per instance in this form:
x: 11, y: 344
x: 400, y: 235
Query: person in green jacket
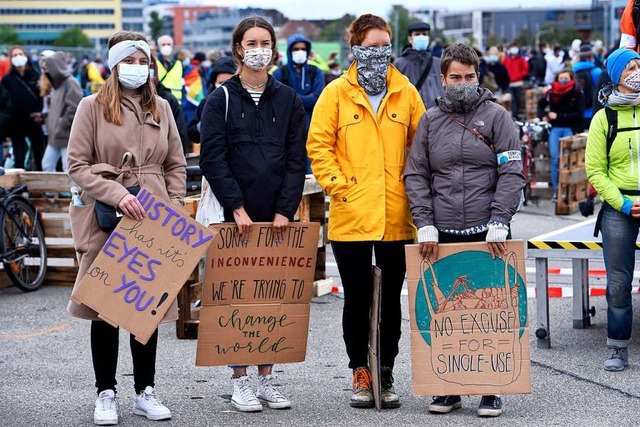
x: 615, y: 174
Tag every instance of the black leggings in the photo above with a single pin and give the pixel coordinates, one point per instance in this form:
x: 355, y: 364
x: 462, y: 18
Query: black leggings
x: 354, y: 261
x: 19, y: 144
x: 104, y: 352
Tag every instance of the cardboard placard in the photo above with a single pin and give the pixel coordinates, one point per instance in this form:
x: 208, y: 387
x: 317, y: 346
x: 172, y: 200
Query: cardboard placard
x: 469, y: 330
x: 140, y: 270
x: 374, y: 337
x: 256, y: 296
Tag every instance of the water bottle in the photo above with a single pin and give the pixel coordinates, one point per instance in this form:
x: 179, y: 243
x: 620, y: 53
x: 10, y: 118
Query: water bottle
x: 75, y: 197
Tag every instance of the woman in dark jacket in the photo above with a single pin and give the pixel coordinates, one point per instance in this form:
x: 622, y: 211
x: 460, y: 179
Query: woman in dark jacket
x: 22, y: 84
x: 253, y: 155
x: 566, y: 106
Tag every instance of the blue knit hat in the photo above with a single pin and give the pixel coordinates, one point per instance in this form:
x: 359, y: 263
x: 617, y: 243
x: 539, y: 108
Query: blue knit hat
x: 616, y: 62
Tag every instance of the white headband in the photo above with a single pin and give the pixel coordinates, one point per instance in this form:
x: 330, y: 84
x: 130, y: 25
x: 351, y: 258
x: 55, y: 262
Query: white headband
x: 121, y: 50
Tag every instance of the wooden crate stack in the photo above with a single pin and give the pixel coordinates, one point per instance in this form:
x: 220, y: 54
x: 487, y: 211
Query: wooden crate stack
x: 49, y: 192
x: 532, y: 96
x: 573, y: 186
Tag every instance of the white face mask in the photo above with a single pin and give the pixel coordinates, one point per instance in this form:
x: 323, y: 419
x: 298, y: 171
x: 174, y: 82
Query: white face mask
x: 421, y: 43
x: 186, y: 62
x: 132, y: 76
x: 299, y: 56
x: 19, y: 61
x: 166, y: 50
x: 257, y: 59
x: 514, y: 51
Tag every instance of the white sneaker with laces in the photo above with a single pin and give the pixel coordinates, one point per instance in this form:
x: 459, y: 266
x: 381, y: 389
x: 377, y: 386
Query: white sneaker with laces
x: 107, y: 408
x: 244, y: 399
x: 268, y: 394
x: 148, y: 405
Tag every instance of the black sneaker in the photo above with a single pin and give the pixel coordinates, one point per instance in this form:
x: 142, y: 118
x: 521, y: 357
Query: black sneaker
x: 389, y: 398
x: 445, y: 404
x: 490, y: 406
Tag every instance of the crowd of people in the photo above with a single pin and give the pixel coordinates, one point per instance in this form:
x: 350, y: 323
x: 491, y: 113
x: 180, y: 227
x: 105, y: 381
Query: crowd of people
x: 412, y: 149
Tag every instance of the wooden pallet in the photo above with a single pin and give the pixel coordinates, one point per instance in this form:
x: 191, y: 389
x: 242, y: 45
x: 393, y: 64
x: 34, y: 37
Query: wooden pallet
x: 573, y: 186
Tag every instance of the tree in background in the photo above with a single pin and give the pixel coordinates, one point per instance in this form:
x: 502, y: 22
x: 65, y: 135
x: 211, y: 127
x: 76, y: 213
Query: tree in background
x: 8, y: 36
x: 72, y: 37
x: 155, y: 25
x: 399, y: 20
x: 551, y: 34
x: 336, y: 30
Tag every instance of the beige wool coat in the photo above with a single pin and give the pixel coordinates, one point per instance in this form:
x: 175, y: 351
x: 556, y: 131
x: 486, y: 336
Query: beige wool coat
x: 96, y: 153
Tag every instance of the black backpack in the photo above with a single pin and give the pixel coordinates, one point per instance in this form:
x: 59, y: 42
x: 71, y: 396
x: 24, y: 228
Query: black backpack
x: 612, y: 128
x: 284, y: 75
x: 583, y: 77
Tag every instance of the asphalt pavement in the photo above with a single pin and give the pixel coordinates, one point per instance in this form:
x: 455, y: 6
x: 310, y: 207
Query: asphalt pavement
x: 47, y: 378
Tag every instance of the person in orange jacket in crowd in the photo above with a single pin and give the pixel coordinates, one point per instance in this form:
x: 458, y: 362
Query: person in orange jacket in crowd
x: 628, y: 26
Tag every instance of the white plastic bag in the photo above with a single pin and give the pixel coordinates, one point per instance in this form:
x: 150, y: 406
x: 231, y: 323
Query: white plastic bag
x: 209, y: 211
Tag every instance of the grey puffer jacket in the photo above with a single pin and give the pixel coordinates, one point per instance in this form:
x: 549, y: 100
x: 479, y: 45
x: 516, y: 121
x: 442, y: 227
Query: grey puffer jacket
x: 452, y: 178
x: 412, y: 64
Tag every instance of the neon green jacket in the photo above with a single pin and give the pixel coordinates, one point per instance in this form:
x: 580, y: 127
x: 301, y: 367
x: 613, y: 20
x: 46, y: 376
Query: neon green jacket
x: 621, y: 172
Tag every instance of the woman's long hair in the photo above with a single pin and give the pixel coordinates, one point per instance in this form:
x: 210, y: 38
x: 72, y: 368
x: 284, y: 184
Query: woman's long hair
x: 111, y: 92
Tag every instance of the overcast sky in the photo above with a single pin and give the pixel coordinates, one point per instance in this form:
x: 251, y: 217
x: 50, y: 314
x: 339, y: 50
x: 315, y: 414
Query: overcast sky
x: 331, y: 9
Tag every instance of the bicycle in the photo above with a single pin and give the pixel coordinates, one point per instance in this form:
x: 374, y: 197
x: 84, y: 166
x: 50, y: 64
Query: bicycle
x: 23, y: 250
x: 530, y: 134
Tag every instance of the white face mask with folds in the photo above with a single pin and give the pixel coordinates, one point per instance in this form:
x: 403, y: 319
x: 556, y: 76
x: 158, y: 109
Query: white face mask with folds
x: 299, y: 56
x: 132, y: 76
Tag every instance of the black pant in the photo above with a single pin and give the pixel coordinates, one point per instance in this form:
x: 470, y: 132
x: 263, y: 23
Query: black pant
x: 104, y: 351
x: 32, y: 131
x: 354, y: 261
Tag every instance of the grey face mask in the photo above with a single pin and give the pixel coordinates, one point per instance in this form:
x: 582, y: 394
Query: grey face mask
x: 464, y: 93
x: 372, y: 64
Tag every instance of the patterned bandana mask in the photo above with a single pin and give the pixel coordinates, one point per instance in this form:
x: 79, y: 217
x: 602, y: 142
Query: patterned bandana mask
x: 464, y: 93
x: 372, y: 64
x: 257, y: 59
x: 633, y: 81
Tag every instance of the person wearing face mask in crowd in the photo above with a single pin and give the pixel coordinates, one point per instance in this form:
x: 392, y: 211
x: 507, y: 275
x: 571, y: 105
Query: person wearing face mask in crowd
x: 518, y: 69
x: 62, y: 105
x: 252, y: 153
x: 170, y: 70
x: 222, y: 70
x: 22, y: 84
x: 420, y: 67
x: 499, y: 72
x: 566, y: 102
x: 176, y: 109
x: 193, y: 87
x: 614, y: 171
x: 306, y: 79
x: 361, y: 129
x: 458, y: 189
x: 121, y: 137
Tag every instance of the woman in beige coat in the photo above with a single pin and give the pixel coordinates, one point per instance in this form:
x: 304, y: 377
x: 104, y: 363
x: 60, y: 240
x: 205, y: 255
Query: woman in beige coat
x: 121, y: 137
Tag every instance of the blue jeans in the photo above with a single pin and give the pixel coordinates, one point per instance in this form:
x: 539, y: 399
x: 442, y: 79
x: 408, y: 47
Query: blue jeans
x: 554, y: 152
x: 51, y: 157
x: 619, y: 233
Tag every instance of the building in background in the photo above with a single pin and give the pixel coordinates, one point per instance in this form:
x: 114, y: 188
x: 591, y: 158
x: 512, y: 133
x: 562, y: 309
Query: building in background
x: 132, y: 15
x: 41, y: 22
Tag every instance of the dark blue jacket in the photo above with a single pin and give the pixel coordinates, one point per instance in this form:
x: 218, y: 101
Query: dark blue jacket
x: 257, y: 158
x: 309, y: 91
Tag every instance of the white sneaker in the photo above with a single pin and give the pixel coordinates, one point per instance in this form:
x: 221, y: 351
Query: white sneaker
x: 148, y: 405
x: 107, y: 408
x: 244, y: 399
x: 268, y: 394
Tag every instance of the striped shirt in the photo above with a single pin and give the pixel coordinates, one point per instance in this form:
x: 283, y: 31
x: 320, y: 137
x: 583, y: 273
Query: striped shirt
x: 255, y: 96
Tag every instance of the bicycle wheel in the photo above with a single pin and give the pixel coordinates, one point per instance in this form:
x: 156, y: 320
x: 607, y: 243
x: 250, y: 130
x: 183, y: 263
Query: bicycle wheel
x: 23, y: 245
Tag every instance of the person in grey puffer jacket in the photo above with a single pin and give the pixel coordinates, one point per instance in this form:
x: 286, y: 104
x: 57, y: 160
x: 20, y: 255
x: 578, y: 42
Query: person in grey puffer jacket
x: 464, y: 175
x: 414, y: 61
x: 62, y: 109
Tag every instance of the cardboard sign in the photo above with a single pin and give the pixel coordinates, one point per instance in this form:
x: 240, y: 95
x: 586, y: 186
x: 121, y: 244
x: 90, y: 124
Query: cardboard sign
x: 374, y: 337
x: 256, y: 296
x: 140, y: 270
x: 469, y: 330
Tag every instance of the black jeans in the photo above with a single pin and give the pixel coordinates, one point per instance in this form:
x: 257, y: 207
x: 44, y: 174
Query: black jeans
x: 354, y: 261
x: 36, y: 138
x: 104, y: 352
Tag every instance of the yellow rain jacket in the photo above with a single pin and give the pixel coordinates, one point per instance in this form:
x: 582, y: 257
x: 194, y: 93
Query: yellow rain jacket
x: 358, y: 156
